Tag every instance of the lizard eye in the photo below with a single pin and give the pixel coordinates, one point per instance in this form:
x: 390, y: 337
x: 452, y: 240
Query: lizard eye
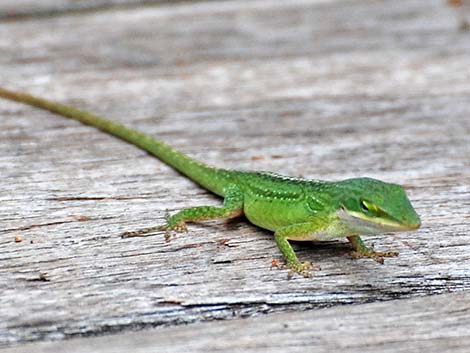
x: 364, y: 206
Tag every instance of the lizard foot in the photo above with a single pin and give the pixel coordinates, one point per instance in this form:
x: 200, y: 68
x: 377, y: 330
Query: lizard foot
x: 375, y: 255
x: 167, y: 228
x: 142, y: 232
x: 170, y: 226
x: 305, y: 269
x: 178, y: 228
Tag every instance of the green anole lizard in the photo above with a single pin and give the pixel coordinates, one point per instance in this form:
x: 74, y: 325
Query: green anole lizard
x: 292, y: 208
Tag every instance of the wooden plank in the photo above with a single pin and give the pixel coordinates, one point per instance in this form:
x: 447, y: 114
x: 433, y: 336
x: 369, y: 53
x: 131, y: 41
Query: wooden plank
x: 433, y: 324
x: 305, y: 89
x: 29, y: 9
x: 19, y: 9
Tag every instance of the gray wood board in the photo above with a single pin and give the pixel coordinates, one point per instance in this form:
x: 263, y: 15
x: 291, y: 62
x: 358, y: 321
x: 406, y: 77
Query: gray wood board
x: 321, y: 90
x: 21, y: 9
x: 433, y: 324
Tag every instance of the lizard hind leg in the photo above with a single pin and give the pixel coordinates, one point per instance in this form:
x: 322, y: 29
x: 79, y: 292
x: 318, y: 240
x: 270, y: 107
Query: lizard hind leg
x: 232, y: 207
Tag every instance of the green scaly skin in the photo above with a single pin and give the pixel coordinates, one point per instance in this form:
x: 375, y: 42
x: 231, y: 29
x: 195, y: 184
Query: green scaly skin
x: 293, y: 208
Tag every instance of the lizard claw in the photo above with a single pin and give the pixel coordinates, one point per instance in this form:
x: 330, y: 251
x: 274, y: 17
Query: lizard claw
x: 375, y: 255
x: 179, y: 227
x: 305, y: 269
x: 141, y: 232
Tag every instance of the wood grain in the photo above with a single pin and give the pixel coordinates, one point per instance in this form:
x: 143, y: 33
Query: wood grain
x: 23, y: 9
x: 325, y: 90
x: 431, y: 324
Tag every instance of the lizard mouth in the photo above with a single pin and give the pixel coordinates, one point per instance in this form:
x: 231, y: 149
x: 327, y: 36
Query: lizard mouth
x: 391, y: 225
x: 373, y: 225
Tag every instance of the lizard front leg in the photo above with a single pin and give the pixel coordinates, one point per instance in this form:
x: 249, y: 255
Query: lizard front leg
x: 361, y: 250
x: 232, y: 207
x: 299, y: 231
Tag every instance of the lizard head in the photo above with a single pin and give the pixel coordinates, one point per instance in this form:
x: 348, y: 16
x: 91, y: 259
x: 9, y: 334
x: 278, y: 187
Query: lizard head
x: 372, y: 206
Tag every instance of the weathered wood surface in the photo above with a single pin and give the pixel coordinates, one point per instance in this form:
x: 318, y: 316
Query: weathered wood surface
x: 433, y: 324
x: 323, y: 90
x: 14, y: 10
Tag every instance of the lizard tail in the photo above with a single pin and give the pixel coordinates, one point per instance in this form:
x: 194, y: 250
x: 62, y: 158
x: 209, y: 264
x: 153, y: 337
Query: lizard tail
x: 212, y: 179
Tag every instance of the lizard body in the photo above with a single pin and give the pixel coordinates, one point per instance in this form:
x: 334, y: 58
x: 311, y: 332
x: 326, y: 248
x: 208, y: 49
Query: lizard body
x: 293, y: 208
